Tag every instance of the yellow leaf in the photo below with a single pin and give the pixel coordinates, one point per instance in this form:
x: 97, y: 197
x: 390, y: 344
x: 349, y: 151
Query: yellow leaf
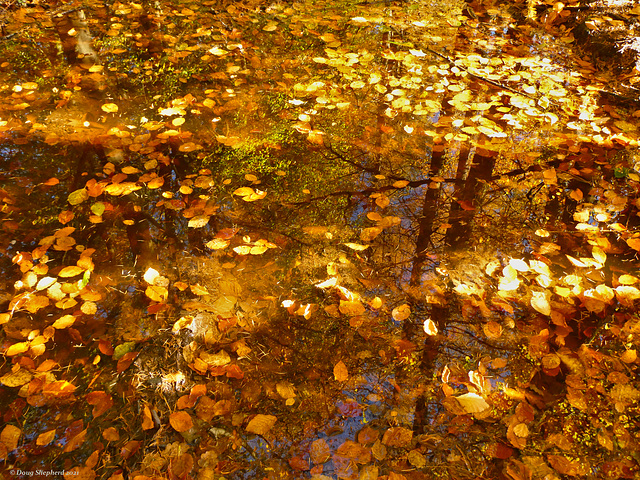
x: 340, y: 372
x: 351, y: 308
x: 217, y: 244
x: 189, y: 147
x: 261, y: 424
x: 199, y: 221
x: 78, y: 196
x: 540, y: 303
x: 89, y: 308
x: 218, y: 51
x: 242, y: 249
x: 70, y: 271
x: 16, y: 379
x: 357, y: 247
x: 634, y: 243
x: 46, y: 282
x: 17, y: 349
x: 472, y: 403
x: 64, y: 322
x: 430, y: 327
x: 157, y: 294
x: 109, y: 107
x: 370, y: 233
x: 258, y: 249
x: 623, y: 279
x: 519, y: 264
x: 285, y: 390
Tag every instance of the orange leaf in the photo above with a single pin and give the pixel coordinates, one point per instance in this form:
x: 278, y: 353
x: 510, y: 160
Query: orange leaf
x: 147, y: 420
x: 64, y: 322
x: 340, y: 372
x: 261, y: 424
x: 101, y: 402
x: 126, y: 360
x: 10, y: 436
x: 181, y: 421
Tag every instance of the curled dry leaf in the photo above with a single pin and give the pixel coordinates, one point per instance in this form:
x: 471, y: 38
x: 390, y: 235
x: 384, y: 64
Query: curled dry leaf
x: 430, y: 327
x: 401, y: 313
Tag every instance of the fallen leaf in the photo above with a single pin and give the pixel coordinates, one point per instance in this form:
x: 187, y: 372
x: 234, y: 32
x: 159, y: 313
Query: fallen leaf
x: 109, y: 107
x: 401, y: 313
x: 340, y: 372
x: 261, y: 424
x: 181, y: 421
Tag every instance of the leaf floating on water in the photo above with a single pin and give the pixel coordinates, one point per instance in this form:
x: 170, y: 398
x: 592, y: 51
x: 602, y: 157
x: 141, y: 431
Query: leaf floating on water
x: 248, y: 194
x: 156, y: 293
x: 199, y: 221
x: 472, y: 403
x: 351, y: 308
x: 319, y: 451
x: 430, y: 327
x: 540, y: 303
x: 109, y: 108
x: 357, y: 247
x: 261, y: 424
x: 64, y: 322
x: 217, y: 244
x: 78, y: 196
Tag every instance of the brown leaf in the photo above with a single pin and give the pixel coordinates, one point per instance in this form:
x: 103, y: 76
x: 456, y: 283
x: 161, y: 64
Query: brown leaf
x: 379, y: 450
x: 76, y: 441
x: 397, y: 437
x: 368, y: 435
x: 129, y: 449
x: 319, y: 451
x: 565, y: 466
